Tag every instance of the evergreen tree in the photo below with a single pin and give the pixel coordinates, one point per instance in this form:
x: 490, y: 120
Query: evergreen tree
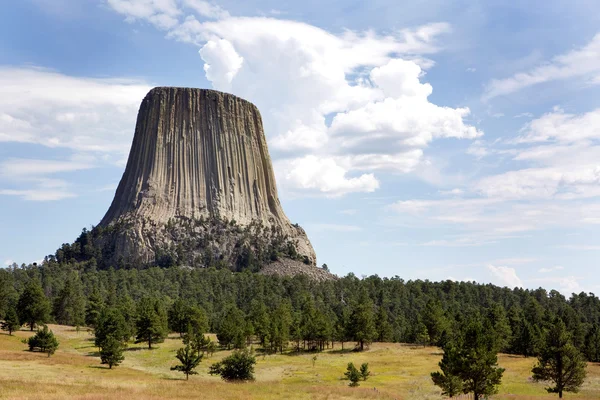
x: 69, y: 305
x: 383, y: 326
x: 421, y: 335
x: 259, y: 318
x: 110, y: 325
x: 44, y: 340
x: 111, y: 351
x: 592, y: 344
x: 11, y: 321
x: 449, y: 380
x: 177, y: 316
x: 472, y: 359
x: 189, y: 360
x: 279, y: 327
x: 529, y: 340
x: 364, y: 371
x: 498, y: 323
x: 33, y: 307
x: 151, y: 323
x: 434, y: 320
x: 239, y: 366
x: 126, y: 307
x: 362, y: 324
x: 231, y: 330
x: 95, y: 304
x: 559, y: 361
x: 353, y: 375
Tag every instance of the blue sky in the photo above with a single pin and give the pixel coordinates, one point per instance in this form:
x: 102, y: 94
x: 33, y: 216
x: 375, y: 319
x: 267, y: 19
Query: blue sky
x: 433, y: 139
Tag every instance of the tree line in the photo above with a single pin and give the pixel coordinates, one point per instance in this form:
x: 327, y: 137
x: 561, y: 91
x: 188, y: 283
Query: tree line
x: 310, y: 315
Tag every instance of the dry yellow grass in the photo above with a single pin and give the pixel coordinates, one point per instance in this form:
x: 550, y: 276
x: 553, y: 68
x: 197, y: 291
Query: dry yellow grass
x: 399, y: 372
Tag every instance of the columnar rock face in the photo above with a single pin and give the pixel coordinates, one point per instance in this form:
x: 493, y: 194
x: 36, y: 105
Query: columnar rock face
x: 196, y: 155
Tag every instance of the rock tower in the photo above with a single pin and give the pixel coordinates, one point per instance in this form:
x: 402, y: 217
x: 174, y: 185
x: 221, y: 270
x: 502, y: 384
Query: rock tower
x: 199, y: 183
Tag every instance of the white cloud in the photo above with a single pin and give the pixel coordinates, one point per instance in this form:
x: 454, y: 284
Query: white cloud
x: 323, y: 175
x: 38, y: 194
x: 580, y: 63
x: 206, y: 9
x: 505, y: 276
x: 222, y: 62
x: 34, y: 174
x: 567, y: 285
x: 557, y: 126
x: 84, y: 114
x: 8, y: 262
x: 369, y: 86
x: 23, y: 167
x: 94, y: 118
x: 551, y: 269
x: 162, y: 13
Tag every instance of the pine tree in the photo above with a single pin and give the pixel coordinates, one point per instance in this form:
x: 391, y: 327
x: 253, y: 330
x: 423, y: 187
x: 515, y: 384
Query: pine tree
x: 111, y: 351
x: 33, y: 307
x: 352, y: 374
x: 110, y: 324
x: 231, y: 330
x: 592, y: 344
x: 364, y: 371
x: 421, y: 335
x: 560, y: 362
x: 151, y: 323
x: 449, y: 379
x: 279, y: 327
x: 383, y: 326
x: 95, y: 304
x: 259, y: 318
x: 177, y: 316
x: 362, y: 323
x: 434, y: 320
x: 473, y: 360
x: 11, y: 321
x: 498, y: 323
x: 69, y: 305
x: 189, y: 360
x: 44, y: 340
x: 126, y: 307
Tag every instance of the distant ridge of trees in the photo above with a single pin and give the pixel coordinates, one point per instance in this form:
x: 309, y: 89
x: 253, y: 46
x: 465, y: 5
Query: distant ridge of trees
x: 277, y: 311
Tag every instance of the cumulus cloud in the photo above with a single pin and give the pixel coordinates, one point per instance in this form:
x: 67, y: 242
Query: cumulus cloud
x: 323, y: 175
x: 505, y: 276
x: 355, y: 102
x: 582, y: 63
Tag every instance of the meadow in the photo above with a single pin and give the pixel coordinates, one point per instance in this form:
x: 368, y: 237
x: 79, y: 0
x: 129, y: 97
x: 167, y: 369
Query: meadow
x: 399, y: 371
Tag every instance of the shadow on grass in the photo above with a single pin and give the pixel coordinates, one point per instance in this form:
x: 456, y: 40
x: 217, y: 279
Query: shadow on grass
x: 93, y: 354
x: 99, y: 366
x: 345, y: 351
x: 140, y: 348
x: 170, y: 378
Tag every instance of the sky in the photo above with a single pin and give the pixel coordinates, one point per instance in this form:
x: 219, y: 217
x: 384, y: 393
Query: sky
x: 426, y: 140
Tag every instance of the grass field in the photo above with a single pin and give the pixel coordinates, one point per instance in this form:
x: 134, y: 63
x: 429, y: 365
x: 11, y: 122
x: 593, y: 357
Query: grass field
x: 398, y: 372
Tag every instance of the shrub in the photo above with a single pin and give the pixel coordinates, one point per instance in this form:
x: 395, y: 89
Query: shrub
x: 44, y: 340
x: 239, y: 366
